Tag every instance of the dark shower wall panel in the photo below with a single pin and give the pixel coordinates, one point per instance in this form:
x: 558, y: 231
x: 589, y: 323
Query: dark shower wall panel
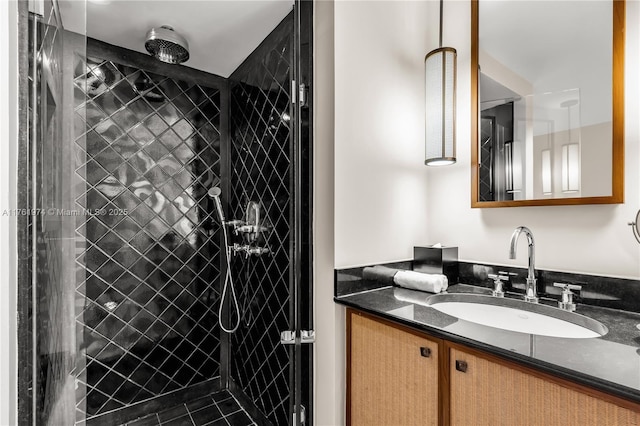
x: 150, y: 269
x: 261, y: 155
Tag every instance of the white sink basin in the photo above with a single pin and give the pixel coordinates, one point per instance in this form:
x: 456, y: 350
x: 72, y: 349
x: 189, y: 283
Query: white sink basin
x: 517, y: 315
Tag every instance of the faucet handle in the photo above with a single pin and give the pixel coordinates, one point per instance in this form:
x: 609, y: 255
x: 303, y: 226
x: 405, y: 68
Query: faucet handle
x: 507, y: 275
x: 497, y: 284
x: 498, y: 276
x: 568, y: 287
x: 566, y: 300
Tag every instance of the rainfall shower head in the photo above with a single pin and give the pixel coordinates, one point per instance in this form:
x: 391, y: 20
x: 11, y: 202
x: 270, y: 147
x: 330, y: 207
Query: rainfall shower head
x: 167, y: 45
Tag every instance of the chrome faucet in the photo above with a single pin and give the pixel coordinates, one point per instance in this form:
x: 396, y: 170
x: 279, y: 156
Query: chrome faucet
x: 530, y: 294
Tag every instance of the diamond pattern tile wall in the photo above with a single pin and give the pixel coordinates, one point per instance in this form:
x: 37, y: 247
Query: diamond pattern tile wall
x: 150, y: 149
x: 261, y: 171
x: 484, y: 173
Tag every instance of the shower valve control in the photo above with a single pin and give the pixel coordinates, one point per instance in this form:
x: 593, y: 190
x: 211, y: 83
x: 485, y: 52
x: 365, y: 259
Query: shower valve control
x: 248, y: 250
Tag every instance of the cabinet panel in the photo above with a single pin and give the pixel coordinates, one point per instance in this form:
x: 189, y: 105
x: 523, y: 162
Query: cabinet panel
x: 489, y: 393
x: 391, y: 381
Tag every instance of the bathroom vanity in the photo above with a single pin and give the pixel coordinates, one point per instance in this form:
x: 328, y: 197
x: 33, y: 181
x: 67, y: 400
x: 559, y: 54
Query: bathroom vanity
x: 398, y: 375
x: 408, y: 363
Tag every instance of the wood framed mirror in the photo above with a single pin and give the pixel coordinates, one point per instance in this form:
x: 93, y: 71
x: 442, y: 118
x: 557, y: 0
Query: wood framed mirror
x: 547, y: 103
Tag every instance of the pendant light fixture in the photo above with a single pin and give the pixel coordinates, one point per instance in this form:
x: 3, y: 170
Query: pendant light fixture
x: 440, y: 99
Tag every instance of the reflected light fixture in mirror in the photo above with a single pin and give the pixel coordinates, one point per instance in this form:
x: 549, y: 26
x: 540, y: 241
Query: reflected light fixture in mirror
x: 570, y: 155
x: 508, y: 165
x: 546, y: 172
x: 440, y: 100
x: 571, y: 167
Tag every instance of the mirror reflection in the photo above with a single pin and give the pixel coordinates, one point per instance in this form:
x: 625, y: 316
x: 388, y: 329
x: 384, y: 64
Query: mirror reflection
x: 545, y: 100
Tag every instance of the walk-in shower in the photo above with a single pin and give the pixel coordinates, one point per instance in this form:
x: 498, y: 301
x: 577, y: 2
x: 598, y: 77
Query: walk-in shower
x: 173, y: 263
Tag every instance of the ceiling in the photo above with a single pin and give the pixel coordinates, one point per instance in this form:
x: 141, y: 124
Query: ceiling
x: 221, y: 34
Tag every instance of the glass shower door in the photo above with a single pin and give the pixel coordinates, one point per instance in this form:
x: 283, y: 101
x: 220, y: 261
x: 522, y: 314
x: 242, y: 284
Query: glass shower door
x: 51, y: 389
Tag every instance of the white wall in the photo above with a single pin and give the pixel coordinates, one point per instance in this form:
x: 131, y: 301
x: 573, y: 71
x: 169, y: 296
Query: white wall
x: 386, y: 201
x: 588, y: 239
x: 381, y: 181
x: 329, y: 377
x: 8, y: 255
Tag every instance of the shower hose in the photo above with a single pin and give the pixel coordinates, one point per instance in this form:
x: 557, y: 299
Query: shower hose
x: 228, y: 283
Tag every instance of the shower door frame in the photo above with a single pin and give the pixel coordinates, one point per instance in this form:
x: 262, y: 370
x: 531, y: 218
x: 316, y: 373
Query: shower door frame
x: 303, y: 412
x: 24, y: 397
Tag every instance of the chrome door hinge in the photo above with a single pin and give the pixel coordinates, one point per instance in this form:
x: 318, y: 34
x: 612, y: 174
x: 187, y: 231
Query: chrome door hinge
x: 303, y: 417
x: 302, y: 95
x: 289, y: 337
x: 299, y: 93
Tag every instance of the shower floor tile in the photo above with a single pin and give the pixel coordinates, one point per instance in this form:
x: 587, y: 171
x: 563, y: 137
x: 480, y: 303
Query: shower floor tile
x: 219, y: 409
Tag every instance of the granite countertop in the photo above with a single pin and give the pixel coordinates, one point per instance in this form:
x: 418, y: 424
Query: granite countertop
x: 610, y: 363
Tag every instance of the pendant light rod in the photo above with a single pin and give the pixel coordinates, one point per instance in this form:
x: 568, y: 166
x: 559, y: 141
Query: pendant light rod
x: 441, y: 3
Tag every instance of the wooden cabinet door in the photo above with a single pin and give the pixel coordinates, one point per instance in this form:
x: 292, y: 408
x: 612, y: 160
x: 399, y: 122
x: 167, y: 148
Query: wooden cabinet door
x: 393, y: 375
x: 489, y: 393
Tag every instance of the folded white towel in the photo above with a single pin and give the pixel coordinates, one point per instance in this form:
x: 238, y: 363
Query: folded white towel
x: 433, y: 283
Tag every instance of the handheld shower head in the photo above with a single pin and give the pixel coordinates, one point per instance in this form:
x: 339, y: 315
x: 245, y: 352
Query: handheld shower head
x: 214, y: 192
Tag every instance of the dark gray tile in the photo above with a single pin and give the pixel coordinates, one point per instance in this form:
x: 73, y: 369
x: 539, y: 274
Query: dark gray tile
x: 239, y: 419
x: 219, y: 422
x: 206, y: 415
x: 179, y: 421
x: 200, y: 403
x: 221, y: 396
x: 173, y: 413
x: 151, y: 420
x: 228, y: 406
